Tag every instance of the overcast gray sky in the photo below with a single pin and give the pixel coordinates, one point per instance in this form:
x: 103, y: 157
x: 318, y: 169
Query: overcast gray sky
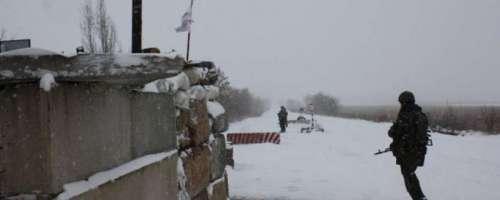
x: 362, y: 51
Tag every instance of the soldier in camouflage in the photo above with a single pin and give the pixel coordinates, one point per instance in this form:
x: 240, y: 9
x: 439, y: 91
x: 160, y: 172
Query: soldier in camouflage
x: 283, y: 119
x: 409, y: 146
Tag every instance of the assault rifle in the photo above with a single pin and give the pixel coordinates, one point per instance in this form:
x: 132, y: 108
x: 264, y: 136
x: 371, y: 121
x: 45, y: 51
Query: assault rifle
x: 429, y: 143
x: 383, y: 151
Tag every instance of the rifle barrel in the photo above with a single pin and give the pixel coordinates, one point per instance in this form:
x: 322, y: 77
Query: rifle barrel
x: 382, y: 151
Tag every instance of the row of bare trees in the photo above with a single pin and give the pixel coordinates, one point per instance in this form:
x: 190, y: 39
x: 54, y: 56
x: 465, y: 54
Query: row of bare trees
x: 447, y: 119
x: 240, y: 103
x: 98, y: 29
x: 452, y: 119
x: 322, y: 103
x: 3, y: 33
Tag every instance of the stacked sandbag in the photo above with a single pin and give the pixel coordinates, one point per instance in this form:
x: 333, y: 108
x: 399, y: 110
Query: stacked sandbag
x: 200, y: 123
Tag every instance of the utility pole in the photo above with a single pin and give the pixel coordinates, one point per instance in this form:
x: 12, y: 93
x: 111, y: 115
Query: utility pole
x: 136, y: 26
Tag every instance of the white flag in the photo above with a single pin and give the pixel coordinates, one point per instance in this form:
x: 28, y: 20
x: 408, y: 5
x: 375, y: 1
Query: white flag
x: 187, y: 20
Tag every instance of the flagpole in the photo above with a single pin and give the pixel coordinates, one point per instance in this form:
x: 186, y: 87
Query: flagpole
x: 188, y: 45
x: 189, y: 35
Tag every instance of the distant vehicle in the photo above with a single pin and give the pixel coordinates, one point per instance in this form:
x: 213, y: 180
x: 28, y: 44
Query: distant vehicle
x: 300, y: 120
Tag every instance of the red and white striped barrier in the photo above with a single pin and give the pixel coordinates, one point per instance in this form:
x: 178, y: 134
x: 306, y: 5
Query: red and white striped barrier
x: 253, y: 138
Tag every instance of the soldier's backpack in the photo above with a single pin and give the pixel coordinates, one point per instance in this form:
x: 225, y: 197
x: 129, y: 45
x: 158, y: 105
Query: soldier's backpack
x: 422, y: 124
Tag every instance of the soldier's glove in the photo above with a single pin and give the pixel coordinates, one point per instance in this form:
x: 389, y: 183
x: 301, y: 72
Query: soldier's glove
x: 393, y: 149
x: 392, y: 131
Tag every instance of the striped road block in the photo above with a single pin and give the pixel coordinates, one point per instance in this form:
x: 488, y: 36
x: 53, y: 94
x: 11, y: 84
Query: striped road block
x: 253, y: 138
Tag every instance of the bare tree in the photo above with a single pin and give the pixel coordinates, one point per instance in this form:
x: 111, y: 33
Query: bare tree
x: 87, y: 27
x: 489, y: 116
x: 449, y: 119
x: 106, y: 31
x: 3, y: 33
x: 98, y: 29
x: 324, y: 104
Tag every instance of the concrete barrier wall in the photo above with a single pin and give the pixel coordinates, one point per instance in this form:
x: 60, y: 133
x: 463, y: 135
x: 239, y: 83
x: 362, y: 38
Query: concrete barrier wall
x: 153, y: 182
x: 24, y: 152
x: 94, y: 121
x: 90, y: 129
x: 76, y: 130
x: 153, y: 123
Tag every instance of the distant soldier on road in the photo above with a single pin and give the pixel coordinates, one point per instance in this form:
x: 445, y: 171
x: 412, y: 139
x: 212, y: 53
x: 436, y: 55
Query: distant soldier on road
x: 283, y: 119
x: 409, y: 146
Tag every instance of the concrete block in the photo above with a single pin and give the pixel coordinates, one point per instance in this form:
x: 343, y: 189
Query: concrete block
x: 153, y: 182
x: 153, y: 123
x: 218, y: 157
x: 89, y: 127
x: 199, y: 116
x: 220, y: 124
x: 183, y: 123
x: 52, y: 138
x: 203, y: 195
x: 197, y: 167
x: 219, y: 189
x: 229, y: 156
x: 24, y: 141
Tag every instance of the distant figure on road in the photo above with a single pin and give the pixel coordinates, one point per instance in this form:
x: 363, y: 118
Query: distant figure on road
x: 409, y: 146
x: 283, y: 118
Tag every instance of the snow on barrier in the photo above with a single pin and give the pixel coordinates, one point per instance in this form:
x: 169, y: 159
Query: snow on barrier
x: 253, y: 138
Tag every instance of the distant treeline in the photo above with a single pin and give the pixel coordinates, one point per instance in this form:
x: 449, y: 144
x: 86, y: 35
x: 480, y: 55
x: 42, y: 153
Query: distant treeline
x: 240, y: 103
x: 323, y: 104
x: 448, y: 119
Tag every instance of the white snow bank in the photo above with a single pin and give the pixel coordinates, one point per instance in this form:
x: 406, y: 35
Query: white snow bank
x: 47, y: 82
x: 195, y: 74
x: 7, y: 73
x: 203, y: 92
x: 197, y: 92
x: 151, y: 87
x: 181, y: 100
x: 339, y: 164
x: 212, y: 92
x: 129, y: 60
x: 215, y: 108
x: 100, y: 178
x: 172, y: 84
x: 34, y: 52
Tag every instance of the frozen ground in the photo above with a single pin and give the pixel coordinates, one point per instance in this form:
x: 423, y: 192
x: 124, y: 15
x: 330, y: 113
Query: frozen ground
x: 339, y: 164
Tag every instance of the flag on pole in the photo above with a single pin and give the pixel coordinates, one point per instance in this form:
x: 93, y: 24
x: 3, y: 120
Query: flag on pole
x: 186, y: 22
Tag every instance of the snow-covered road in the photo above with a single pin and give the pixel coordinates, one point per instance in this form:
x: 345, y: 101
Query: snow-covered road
x: 339, y: 164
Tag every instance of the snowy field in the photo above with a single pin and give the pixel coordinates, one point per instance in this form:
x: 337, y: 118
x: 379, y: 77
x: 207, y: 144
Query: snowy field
x: 339, y: 164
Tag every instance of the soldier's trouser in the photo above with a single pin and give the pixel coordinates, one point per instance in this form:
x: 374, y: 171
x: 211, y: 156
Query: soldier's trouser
x: 411, y: 181
x: 283, y: 127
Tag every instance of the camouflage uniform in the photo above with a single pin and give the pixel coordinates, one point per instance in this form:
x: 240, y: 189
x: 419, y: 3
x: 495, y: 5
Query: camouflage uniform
x: 409, y: 145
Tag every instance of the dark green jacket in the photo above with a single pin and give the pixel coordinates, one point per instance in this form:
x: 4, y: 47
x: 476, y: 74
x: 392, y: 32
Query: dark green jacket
x: 409, y: 134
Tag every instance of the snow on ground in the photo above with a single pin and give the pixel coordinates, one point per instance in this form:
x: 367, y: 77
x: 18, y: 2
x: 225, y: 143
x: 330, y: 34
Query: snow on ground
x: 339, y: 164
x: 34, y: 52
x: 215, y: 108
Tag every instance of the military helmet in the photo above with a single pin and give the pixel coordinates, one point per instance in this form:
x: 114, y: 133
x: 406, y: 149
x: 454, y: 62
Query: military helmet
x: 406, y: 97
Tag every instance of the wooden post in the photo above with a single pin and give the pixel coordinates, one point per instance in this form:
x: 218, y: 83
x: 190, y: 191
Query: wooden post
x: 136, y: 26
